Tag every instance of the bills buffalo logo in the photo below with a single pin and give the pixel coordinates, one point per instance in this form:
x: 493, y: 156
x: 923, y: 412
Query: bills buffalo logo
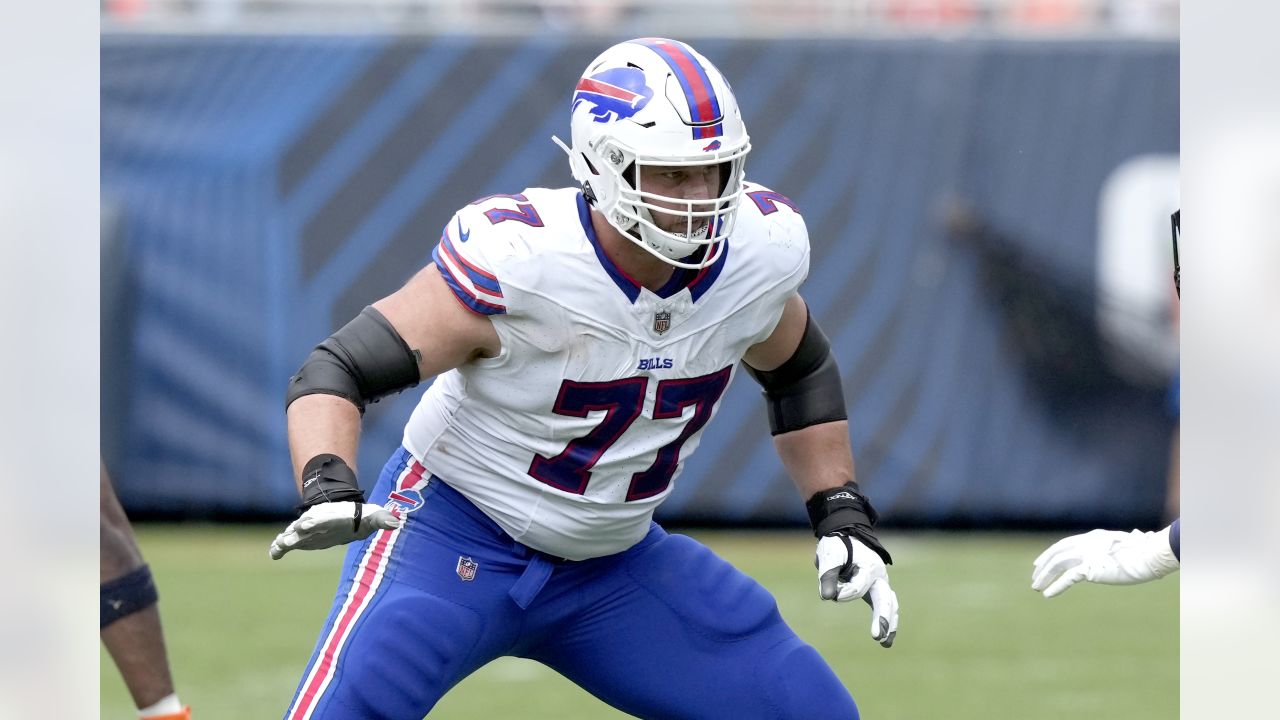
x: 403, y: 502
x: 467, y: 568
x: 713, y: 145
x: 611, y: 95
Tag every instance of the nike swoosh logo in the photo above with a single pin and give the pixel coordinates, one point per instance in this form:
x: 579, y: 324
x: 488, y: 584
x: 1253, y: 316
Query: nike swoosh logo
x: 462, y: 234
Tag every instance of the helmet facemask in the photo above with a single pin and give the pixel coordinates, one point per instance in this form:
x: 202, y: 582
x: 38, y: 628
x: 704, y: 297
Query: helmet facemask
x: 695, y: 241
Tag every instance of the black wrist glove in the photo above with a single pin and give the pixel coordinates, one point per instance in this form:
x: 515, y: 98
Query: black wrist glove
x: 327, y: 478
x: 846, y: 511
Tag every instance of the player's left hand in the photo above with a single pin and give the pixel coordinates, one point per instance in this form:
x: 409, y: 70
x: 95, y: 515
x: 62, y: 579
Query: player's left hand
x: 333, y: 523
x: 847, y: 570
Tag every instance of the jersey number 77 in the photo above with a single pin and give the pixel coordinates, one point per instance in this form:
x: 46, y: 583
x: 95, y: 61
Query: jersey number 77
x: 622, y: 402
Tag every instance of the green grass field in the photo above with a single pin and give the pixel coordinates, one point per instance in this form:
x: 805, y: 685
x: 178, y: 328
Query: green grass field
x: 974, y: 642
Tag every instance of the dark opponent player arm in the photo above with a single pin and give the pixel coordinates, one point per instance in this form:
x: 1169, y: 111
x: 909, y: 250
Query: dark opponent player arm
x: 130, y: 619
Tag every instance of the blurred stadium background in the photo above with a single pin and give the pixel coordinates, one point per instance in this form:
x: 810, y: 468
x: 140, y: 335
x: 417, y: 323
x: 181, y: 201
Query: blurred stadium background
x: 987, y: 185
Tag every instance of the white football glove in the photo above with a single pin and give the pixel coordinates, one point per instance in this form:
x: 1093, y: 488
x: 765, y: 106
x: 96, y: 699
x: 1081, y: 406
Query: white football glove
x: 333, y: 523
x: 1109, y: 557
x: 848, y: 569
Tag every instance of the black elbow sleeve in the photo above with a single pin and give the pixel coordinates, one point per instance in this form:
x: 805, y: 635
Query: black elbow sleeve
x: 363, y: 361
x: 806, y: 389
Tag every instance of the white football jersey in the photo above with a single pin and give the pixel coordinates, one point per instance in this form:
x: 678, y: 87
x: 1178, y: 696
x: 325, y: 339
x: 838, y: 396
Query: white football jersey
x: 572, y: 435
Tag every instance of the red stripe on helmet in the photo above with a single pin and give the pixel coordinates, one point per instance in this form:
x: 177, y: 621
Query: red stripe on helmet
x: 688, y: 66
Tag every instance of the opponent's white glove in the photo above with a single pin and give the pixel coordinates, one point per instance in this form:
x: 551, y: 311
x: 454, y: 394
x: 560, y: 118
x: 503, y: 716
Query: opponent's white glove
x: 848, y: 569
x: 1109, y: 557
x: 333, y: 523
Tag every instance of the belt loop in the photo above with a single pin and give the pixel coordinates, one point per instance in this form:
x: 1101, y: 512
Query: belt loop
x: 531, y: 581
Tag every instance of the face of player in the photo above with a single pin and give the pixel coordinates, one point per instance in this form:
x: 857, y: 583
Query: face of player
x: 696, y: 182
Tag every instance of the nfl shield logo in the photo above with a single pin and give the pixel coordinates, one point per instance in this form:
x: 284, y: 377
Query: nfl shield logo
x: 467, y: 568
x: 661, y: 321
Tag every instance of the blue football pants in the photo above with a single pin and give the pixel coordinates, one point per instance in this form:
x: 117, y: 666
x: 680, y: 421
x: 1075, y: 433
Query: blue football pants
x: 665, y: 629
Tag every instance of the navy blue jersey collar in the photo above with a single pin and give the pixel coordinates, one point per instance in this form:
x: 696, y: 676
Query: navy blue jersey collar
x: 629, y: 287
x: 698, y: 283
x: 706, y: 277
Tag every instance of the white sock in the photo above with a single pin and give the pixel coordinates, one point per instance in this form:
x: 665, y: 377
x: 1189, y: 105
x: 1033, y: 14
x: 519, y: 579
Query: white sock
x: 167, y: 706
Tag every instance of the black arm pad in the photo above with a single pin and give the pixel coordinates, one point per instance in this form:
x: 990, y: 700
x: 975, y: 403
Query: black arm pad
x: 805, y: 390
x: 363, y: 361
x: 846, y: 511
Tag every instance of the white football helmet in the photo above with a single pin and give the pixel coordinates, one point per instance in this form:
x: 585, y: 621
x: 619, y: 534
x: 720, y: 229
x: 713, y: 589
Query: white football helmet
x: 653, y: 101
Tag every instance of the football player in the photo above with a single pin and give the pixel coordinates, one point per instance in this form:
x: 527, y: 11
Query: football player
x: 1112, y: 557
x: 580, y: 340
x: 130, y: 621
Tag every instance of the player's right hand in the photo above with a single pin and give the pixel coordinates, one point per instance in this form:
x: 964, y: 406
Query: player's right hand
x: 847, y: 570
x: 333, y: 523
